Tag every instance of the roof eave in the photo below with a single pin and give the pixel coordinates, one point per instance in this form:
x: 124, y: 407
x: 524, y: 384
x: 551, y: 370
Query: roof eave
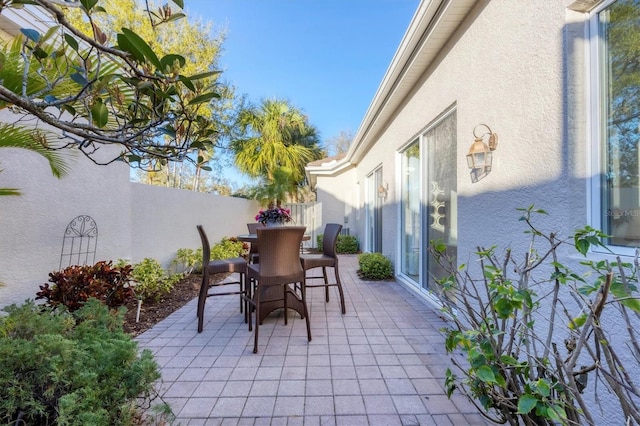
x: 12, y: 20
x: 430, y: 29
x: 333, y: 169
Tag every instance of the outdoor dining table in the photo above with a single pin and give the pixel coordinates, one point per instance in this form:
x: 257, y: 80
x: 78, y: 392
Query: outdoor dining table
x: 253, y: 238
x: 293, y: 302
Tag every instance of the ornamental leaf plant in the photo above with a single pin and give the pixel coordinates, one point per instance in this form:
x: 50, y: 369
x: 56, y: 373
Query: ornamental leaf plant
x: 274, y: 214
x: 544, y: 344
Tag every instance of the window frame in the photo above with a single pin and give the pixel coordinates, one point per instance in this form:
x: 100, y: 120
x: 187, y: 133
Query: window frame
x: 596, y: 104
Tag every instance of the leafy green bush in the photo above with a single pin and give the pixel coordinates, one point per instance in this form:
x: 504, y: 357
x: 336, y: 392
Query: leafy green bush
x: 66, y: 368
x: 191, y: 260
x: 152, y: 280
x: 74, y: 285
x: 188, y: 259
x: 345, y: 244
x: 536, y: 333
x: 226, y: 248
x: 374, y: 266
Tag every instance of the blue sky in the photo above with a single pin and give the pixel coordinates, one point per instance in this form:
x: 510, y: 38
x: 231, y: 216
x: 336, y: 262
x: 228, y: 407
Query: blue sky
x: 326, y: 57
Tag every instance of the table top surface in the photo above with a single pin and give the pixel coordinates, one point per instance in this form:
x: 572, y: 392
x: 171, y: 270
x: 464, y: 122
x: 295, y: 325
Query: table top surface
x: 248, y: 238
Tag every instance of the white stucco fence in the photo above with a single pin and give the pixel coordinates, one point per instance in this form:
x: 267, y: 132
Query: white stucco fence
x: 134, y: 221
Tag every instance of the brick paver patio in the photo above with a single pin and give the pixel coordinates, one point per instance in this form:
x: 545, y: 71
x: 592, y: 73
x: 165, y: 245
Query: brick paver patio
x: 383, y: 363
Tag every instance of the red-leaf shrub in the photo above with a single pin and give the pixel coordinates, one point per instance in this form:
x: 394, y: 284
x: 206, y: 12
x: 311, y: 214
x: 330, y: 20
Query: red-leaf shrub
x: 74, y: 285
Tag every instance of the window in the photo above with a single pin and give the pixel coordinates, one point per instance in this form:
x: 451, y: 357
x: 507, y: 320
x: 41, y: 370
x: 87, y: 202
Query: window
x: 410, y: 212
x: 373, y: 212
x: 616, y: 27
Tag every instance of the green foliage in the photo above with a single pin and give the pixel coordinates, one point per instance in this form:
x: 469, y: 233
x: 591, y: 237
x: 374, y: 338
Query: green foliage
x: 227, y: 248
x: 529, y: 352
x: 274, y: 142
x: 130, y: 88
x: 345, y: 244
x: 199, y: 45
x: 188, y: 260
x: 191, y: 260
x: 67, y: 368
x: 151, y: 280
x: 74, y: 285
x: 374, y: 266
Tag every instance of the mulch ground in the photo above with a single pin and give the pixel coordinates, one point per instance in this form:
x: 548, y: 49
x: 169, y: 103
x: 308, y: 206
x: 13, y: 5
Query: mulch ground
x: 152, y: 312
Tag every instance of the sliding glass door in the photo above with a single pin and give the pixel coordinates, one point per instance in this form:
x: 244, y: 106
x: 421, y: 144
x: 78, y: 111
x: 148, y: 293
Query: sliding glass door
x: 410, y: 214
x: 428, y: 209
x: 373, y: 222
x: 441, y: 215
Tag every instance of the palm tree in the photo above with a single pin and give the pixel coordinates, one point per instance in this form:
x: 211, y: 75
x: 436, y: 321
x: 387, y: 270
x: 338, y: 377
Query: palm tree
x: 15, y: 77
x: 277, y: 143
x: 18, y: 137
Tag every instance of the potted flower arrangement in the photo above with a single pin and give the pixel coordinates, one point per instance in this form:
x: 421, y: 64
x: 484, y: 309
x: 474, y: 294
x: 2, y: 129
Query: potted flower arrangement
x: 274, y: 216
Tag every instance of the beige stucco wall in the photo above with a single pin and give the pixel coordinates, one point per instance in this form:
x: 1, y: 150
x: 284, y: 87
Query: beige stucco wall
x: 165, y: 218
x: 506, y: 70
x: 134, y: 221
x: 32, y: 225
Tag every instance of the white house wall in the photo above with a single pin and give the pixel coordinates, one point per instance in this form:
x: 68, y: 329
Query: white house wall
x: 507, y: 70
x: 504, y: 69
x: 521, y: 68
x: 338, y: 206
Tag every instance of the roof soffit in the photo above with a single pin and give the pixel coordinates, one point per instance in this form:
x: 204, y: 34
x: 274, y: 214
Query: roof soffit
x: 29, y: 16
x: 434, y: 22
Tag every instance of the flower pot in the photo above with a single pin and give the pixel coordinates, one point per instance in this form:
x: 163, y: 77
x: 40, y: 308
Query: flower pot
x: 272, y: 224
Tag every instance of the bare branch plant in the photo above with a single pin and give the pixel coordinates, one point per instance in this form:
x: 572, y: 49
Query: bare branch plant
x: 542, y: 341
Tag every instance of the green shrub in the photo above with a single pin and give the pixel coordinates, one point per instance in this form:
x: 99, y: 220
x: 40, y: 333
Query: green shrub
x: 67, y: 368
x: 152, y: 280
x: 191, y: 260
x: 188, y: 259
x: 74, y: 285
x: 346, y: 244
x: 226, y: 248
x: 537, y: 333
x: 374, y: 266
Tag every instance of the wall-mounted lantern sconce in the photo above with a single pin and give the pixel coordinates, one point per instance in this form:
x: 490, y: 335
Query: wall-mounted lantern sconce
x: 480, y: 155
x: 383, y: 191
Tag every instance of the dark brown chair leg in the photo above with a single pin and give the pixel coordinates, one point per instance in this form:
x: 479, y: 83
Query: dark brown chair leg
x: 335, y: 269
x: 244, y: 299
x: 285, y: 291
x: 242, y: 286
x: 255, y: 333
x: 306, y: 313
x: 326, y: 281
x: 202, y: 297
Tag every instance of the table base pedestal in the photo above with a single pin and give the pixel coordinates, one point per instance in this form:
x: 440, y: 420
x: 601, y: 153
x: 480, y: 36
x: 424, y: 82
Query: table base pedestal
x: 268, y: 293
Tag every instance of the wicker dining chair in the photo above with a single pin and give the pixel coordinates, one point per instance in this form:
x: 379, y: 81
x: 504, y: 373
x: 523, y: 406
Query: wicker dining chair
x: 253, y: 249
x: 209, y: 267
x: 328, y: 259
x: 279, y: 250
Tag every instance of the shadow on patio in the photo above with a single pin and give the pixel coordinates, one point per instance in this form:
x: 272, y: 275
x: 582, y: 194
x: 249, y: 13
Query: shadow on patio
x: 383, y: 363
